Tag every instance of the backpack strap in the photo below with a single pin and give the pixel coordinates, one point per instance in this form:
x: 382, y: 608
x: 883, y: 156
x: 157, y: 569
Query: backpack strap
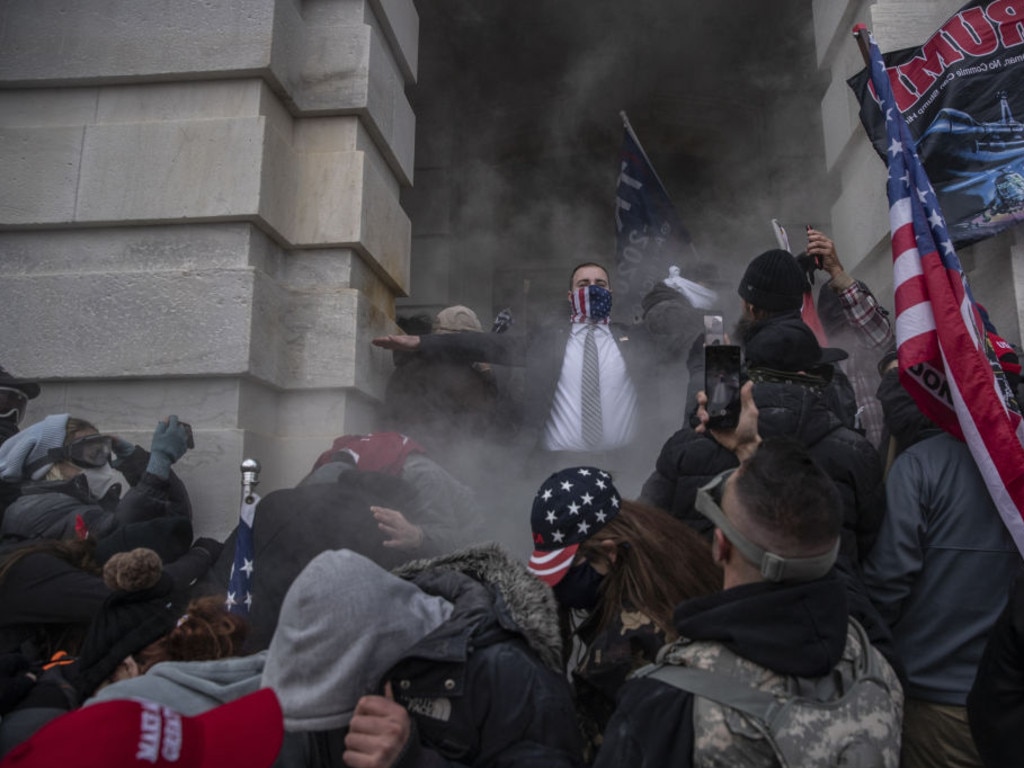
x: 730, y: 692
x: 717, y: 687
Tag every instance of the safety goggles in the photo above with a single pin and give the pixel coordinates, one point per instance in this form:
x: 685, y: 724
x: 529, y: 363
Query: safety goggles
x: 86, y: 452
x: 13, y: 403
x: 773, y: 567
x: 91, y: 451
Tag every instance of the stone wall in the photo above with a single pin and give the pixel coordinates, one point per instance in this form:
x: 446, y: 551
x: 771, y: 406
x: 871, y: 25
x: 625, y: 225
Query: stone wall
x: 199, y: 214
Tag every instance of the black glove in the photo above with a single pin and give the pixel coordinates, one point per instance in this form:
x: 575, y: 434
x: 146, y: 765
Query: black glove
x: 211, y: 546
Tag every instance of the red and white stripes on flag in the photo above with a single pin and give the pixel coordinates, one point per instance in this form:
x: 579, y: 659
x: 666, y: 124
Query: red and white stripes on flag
x: 945, y: 361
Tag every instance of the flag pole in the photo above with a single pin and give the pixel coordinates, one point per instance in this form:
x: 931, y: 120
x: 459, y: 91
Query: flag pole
x: 860, y: 31
x: 632, y: 134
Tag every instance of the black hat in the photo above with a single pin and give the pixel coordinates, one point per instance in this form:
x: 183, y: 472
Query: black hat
x: 773, y: 281
x: 30, y: 388
x: 787, y: 345
x: 137, y: 614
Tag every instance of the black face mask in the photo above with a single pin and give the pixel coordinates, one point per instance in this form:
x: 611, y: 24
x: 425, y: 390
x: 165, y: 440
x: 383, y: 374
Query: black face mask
x: 578, y: 589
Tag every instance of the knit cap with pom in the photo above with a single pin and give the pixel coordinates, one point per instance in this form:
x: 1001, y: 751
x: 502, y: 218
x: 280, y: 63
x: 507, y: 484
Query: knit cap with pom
x: 133, y: 571
x: 138, y: 612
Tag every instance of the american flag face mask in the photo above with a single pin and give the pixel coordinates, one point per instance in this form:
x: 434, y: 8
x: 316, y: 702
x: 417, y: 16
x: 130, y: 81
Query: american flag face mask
x: 592, y: 303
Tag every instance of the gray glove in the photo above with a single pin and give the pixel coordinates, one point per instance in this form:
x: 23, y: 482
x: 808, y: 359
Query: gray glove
x: 122, y: 450
x: 170, y: 441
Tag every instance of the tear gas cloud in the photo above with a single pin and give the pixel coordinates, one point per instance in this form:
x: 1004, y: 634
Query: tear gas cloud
x: 518, y: 134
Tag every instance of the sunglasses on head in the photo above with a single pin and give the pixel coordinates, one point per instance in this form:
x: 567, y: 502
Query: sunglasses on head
x: 772, y: 566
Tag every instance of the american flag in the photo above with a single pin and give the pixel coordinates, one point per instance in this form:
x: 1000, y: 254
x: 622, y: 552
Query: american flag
x: 239, y: 600
x: 944, y: 360
x: 588, y: 306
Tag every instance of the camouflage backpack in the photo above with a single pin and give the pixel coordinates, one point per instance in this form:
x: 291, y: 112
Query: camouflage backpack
x: 745, y: 715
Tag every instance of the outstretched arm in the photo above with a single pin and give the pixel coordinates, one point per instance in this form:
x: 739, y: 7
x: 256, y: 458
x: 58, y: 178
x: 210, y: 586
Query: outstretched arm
x: 398, y: 343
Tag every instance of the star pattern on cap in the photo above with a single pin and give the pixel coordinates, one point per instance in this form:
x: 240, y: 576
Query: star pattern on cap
x: 571, y: 505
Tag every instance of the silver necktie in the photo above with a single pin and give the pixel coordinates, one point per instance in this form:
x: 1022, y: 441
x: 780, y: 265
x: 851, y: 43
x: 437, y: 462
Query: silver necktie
x: 592, y: 430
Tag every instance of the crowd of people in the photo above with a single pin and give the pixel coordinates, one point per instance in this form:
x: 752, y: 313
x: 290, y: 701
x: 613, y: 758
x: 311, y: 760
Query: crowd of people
x: 822, y: 581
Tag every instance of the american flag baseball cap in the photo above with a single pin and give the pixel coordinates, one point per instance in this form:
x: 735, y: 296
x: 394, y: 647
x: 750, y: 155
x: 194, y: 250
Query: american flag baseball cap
x: 570, y: 507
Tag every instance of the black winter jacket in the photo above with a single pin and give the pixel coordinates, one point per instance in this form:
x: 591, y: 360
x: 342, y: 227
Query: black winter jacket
x: 485, y: 689
x: 689, y: 460
x: 49, y: 509
x: 995, y: 705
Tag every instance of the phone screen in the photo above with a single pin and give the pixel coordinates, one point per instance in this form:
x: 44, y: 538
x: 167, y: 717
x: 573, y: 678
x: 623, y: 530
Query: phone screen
x: 714, y: 330
x: 722, y: 365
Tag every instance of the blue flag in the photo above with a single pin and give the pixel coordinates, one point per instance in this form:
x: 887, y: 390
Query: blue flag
x: 650, y: 237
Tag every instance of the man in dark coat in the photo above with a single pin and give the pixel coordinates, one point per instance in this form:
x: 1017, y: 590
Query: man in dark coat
x: 340, y: 505
x: 791, y: 373
x: 781, y: 624
x: 456, y: 663
x: 554, y: 417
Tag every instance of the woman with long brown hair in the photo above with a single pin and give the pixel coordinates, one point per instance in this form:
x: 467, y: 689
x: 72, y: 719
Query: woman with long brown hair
x: 623, y: 567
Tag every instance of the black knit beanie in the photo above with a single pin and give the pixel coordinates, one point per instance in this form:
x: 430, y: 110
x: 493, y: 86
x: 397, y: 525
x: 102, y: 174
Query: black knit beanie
x: 138, y: 613
x: 773, y: 281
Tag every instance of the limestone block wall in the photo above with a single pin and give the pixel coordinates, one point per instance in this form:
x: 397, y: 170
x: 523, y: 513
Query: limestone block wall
x: 199, y: 214
x: 859, y: 218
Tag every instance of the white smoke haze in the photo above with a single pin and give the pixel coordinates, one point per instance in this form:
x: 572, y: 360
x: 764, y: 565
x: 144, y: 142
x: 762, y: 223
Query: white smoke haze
x: 519, y: 104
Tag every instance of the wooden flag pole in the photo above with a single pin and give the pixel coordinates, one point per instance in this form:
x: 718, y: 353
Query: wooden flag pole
x: 860, y: 31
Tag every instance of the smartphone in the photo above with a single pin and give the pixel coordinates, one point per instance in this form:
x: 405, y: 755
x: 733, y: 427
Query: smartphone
x: 722, y: 368
x: 190, y: 440
x: 714, y: 330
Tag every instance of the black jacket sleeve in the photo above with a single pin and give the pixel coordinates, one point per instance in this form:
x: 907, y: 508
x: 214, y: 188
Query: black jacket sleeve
x: 652, y: 727
x: 475, y: 348
x: 42, y: 588
x: 150, y: 496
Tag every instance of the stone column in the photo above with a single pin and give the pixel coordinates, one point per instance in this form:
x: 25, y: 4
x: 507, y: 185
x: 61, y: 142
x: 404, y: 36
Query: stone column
x: 860, y: 218
x: 199, y: 214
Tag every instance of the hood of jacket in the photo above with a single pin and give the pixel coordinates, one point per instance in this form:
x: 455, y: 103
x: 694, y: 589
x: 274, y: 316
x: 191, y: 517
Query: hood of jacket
x: 790, y: 628
x: 344, y: 622
x: 190, y: 687
x: 787, y: 408
x: 494, y: 594
x: 904, y: 419
x: 48, y: 510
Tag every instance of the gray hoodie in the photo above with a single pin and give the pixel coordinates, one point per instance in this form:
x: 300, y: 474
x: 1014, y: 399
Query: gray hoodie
x: 190, y: 687
x: 344, y: 622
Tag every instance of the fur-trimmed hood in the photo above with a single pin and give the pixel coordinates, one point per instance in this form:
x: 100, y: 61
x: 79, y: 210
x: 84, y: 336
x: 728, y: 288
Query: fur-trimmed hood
x: 523, y: 602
